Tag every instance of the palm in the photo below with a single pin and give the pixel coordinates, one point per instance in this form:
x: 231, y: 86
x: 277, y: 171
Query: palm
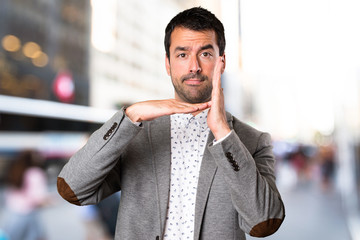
x: 216, y: 117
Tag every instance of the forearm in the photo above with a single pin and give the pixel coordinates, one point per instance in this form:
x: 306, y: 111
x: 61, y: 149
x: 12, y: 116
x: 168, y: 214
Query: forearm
x: 251, y: 182
x: 84, y: 179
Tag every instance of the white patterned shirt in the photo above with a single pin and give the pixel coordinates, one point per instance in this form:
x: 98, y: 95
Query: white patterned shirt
x: 188, y: 140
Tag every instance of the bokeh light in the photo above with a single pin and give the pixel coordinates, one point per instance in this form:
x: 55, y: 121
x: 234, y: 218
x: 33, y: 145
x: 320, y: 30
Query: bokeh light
x: 11, y: 43
x: 40, y: 59
x: 31, y: 49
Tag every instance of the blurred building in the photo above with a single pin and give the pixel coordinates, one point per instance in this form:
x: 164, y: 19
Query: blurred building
x: 44, y: 50
x: 44, y: 70
x: 44, y: 54
x: 127, y: 54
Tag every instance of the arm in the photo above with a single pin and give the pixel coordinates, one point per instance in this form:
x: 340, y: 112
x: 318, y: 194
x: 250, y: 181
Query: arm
x: 149, y: 110
x: 251, y: 181
x: 250, y: 177
x: 91, y: 174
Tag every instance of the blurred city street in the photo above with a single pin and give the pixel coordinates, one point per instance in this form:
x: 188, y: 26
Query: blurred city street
x: 311, y: 214
x: 292, y: 70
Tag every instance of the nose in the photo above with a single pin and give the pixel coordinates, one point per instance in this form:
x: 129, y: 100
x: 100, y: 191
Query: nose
x: 194, y: 65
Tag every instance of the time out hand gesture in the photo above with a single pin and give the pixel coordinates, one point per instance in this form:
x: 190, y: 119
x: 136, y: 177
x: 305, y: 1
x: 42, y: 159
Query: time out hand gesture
x: 149, y: 110
x: 216, y: 119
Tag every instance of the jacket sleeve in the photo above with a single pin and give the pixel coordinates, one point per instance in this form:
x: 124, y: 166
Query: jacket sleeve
x: 251, y: 181
x: 92, y: 173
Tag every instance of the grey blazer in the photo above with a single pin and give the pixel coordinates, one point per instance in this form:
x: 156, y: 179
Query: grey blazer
x: 236, y: 188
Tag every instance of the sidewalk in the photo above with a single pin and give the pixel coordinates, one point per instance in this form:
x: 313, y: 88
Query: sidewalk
x: 63, y: 221
x: 60, y: 220
x: 312, y: 214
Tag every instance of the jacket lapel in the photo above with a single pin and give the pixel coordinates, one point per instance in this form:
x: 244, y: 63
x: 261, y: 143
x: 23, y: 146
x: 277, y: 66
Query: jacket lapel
x: 207, y: 172
x: 161, y: 147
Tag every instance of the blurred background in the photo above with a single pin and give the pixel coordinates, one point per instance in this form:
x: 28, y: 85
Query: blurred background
x: 293, y: 70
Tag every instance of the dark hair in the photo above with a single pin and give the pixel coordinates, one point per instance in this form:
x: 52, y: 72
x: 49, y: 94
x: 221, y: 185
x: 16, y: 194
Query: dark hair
x: 196, y: 19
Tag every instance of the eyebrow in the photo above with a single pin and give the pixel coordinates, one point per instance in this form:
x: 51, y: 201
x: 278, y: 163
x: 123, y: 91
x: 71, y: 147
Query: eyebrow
x: 208, y: 46
x: 181, y: 49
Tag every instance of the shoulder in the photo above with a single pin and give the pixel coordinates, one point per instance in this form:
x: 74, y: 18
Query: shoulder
x: 242, y: 127
x: 249, y: 135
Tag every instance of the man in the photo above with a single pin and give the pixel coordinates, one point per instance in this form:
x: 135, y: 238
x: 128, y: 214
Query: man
x: 186, y: 168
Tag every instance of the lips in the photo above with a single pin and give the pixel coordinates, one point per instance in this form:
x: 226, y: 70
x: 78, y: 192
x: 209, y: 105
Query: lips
x: 193, y: 81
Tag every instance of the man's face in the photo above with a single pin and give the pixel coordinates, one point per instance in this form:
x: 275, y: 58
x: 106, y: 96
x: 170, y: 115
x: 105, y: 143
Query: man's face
x: 191, y: 65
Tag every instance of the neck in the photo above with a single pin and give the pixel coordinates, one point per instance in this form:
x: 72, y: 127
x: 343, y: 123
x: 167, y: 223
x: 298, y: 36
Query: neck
x: 193, y: 113
x: 197, y: 112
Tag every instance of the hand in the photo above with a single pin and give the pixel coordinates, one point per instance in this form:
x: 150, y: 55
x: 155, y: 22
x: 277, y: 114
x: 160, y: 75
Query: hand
x: 149, y: 110
x: 216, y: 119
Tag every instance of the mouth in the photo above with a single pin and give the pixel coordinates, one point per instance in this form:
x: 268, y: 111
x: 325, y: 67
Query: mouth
x: 193, y: 81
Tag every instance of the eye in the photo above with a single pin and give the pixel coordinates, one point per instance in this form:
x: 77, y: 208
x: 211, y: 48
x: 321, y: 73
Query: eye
x: 181, y: 55
x: 206, y: 54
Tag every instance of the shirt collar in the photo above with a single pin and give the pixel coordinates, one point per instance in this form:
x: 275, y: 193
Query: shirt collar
x: 185, y: 119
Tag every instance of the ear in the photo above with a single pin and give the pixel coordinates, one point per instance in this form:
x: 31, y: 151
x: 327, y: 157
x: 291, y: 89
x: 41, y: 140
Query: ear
x: 224, y: 61
x: 167, y: 64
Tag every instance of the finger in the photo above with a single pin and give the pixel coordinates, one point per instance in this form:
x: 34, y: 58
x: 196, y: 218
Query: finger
x: 182, y: 107
x: 217, y: 73
x: 199, y: 106
x: 185, y: 105
x: 203, y: 106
